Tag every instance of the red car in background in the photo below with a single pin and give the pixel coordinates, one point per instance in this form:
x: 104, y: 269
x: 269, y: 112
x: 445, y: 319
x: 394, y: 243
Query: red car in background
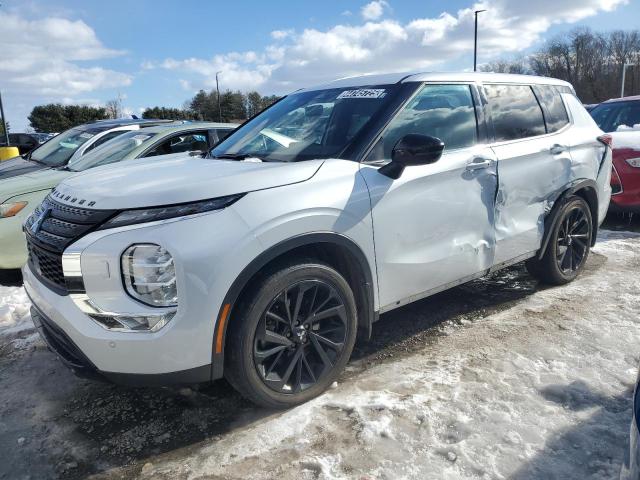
x: 620, y: 117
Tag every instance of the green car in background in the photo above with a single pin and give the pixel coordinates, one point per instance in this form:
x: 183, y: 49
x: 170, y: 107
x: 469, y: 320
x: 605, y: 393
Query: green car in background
x: 20, y: 194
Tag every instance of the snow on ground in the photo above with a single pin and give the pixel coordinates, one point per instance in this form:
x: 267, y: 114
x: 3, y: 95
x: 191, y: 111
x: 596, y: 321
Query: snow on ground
x: 14, y: 310
x: 539, y: 390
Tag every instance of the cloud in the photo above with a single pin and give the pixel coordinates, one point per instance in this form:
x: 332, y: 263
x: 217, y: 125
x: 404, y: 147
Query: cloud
x: 45, y: 57
x: 312, y: 56
x: 281, y: 34
x: 373, y: 10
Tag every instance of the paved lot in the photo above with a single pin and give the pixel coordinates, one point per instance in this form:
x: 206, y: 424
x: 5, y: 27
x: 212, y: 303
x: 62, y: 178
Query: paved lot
x: 499, y: 378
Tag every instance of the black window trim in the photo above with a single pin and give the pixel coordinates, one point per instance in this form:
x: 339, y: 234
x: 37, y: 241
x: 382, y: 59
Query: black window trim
x: 492, y: 138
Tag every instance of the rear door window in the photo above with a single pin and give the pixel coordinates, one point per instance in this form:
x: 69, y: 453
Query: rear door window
x: 515, y: 111
x: 555, y: 114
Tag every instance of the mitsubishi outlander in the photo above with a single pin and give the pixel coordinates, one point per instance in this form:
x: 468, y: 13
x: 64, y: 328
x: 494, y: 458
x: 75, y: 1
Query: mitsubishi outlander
x: 263, y: 260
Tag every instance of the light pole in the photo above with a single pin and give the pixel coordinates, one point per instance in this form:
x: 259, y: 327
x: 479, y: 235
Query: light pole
x: 4, y: 124
x: 624, y: 71
x: 475, y: 40
x: 218, y: 90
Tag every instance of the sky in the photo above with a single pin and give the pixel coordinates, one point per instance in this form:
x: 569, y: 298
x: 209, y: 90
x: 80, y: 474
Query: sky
x: 160, y: 52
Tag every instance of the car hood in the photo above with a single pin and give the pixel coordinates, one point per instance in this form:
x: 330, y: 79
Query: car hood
x: 18, y: 166
x: 38, y: 180
x: 175, y: 179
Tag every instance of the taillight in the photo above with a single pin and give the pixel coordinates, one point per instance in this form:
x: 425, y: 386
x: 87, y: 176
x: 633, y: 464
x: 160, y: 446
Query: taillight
x: 616, y: 183
x: 606, y: 139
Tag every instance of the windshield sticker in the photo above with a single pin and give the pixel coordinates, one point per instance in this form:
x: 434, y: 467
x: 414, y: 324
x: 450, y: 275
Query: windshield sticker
x: 141, y: 137
x: 86, y: 135
x: 363, y: 93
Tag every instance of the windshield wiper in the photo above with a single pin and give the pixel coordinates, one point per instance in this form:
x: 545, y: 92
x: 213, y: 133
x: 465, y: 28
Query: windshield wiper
x: 233, y: 156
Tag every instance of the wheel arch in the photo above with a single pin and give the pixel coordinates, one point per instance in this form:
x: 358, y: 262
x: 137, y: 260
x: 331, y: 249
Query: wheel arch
x: 584, y: 188
x: 337, y: 250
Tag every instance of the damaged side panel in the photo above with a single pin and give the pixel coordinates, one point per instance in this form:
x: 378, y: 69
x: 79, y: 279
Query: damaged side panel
x: 532, y: 174
x: 433, y: 225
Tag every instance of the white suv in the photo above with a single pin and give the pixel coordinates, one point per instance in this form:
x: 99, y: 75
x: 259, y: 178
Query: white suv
x: 338, y: 203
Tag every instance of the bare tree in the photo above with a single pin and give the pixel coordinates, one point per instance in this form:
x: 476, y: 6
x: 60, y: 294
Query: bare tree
x: 591, y: 62
x: 114, y: 107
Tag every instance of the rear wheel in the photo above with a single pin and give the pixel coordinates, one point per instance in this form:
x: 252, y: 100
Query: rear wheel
x: 293, y: 337
x: 568, y: 247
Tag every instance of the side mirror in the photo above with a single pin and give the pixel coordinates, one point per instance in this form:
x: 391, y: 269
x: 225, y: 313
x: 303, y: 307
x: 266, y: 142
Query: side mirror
x: 412, y: 149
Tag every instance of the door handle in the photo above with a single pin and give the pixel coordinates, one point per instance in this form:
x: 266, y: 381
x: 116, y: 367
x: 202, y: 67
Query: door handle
x: 557, y: 149
x: 479, y: 163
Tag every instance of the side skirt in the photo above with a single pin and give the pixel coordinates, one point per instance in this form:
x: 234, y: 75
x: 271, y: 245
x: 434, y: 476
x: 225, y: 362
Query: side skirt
x: 455, y: 283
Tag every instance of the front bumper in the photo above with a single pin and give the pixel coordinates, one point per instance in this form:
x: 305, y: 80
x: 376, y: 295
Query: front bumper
x: 59, y: 335
x: 181, y: 351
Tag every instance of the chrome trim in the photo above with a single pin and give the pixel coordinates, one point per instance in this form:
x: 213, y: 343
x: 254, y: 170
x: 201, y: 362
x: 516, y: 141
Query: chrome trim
x: 84, y: 303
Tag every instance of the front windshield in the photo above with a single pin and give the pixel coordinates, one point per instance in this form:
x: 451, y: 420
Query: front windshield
x: 112, y: 151
x: 59, y: 149
x: 307, y: 125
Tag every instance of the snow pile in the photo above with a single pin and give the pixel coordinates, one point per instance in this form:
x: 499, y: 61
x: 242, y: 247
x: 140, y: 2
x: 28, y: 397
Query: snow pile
x: 14, y: 310
x: 627, y: 137
x: 626, y: 128
x: 541, y: 389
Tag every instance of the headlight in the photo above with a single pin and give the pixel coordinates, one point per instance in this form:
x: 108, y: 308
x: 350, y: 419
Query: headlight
x: 150, y: 275
x: 142, y: 215
x: 634, y: 162
x: 11, y: 209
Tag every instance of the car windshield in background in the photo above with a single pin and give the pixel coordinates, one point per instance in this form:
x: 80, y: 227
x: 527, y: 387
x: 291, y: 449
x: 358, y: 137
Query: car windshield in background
x: 112, y: 151
x: 307, y: 125
x: 611, y: 116
x: 59, y: 150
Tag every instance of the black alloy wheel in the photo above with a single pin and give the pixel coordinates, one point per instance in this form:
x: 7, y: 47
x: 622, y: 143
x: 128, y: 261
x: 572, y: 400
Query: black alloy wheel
x: 573, y: 240
x: 569, y: 244
x: 291, y: 334
x: 300, y: 336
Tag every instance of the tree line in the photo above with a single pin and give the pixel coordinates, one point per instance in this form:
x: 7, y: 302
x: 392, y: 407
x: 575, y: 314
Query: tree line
x: 592, y: 62
x: 234, y: 107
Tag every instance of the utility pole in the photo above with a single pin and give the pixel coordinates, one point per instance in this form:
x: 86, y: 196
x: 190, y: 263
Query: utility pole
x: 4, y: 123
x: 475, y: 40
x: 218, y: 90
x: 624, y: 72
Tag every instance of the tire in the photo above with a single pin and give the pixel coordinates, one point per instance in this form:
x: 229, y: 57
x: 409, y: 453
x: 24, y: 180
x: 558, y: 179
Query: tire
x: 274, y: 362
x: 565, y: 255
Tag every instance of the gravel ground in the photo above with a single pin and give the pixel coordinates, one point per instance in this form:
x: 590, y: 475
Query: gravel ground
x: 499, y: 378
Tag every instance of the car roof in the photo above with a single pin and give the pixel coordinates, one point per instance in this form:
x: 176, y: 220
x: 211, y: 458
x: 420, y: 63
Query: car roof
x: 406, y: 77
x: 180, y: 126
x: 633, y: 98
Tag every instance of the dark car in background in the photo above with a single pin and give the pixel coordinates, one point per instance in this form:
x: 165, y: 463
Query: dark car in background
x: 25, y: 142
x: 620, y: 117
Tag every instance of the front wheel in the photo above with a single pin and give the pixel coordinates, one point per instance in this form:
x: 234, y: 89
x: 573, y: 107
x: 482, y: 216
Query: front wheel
x: 294, y: 335
x: 568, y: 247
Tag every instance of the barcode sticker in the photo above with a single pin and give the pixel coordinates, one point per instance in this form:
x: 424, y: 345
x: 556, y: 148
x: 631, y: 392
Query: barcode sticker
x: 363, y: 93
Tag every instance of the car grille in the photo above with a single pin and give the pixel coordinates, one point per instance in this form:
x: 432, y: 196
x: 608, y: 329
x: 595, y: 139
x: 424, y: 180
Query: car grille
x: 47, y: 238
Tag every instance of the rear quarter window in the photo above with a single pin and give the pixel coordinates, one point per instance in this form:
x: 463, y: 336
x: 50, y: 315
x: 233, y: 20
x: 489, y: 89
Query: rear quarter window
x: 555, y: 114
x: 515, y: 111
